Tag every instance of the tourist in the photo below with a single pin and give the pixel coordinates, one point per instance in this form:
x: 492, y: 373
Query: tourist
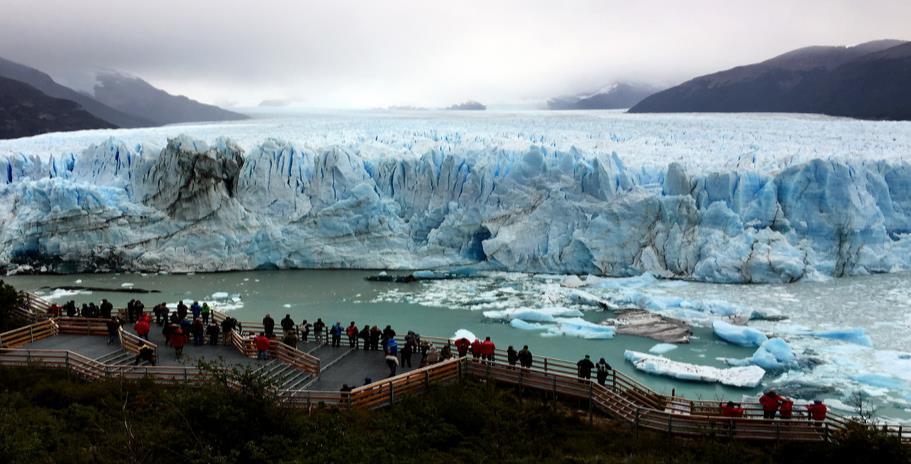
x: 198, y: 330
x: 290, y: 339
x: 432, y: 357
x: 139, y: 308
x: 393, y: 363
x: 367, y: 381
x: 196, y: 309
x: 769, y: 401
x: 407, y: 351
x: 391, y: 347
x: 602, y: 371
x: 147, y: 354
x: 351, y: 332
x: 157, y: 312
x: 106, y: 308
x: 269, y: 325
x: 446, y: 352
x: 512, y: 356
x: 731, y: 410
x: 786, y: 409
x: 817, y: 411
x: 168, y: 332
x: 462, y: 346
x: 336, y: 334
x: 212, y: 331
x: 178, y: 340
x: 488, y: 349
x: 388, y: 334
x: 131, y: 310
x: 287, y: 324
x: 206, y: 311
x: 262, y: 346
x: 410, y: 340
x: 227, y: 327
x: 71, y: 309
x: 182, y: 310
x: 585, y: 366
x: 345, y: 388
x: 85, y: 311
x: 318, y: 329
x: 305, y: 330
x: 113, y: 324
x: 423, y: 347
x: 375, y: 338
x: 364, y: 335
x: 476, y: 349
x: 143, y: 327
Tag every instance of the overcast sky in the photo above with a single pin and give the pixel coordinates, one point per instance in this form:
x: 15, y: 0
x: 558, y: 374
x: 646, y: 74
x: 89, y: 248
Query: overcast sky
x: 370, y: 53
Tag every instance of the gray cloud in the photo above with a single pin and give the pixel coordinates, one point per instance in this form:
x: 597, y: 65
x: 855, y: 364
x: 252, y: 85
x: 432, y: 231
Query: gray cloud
x: 363, y: 53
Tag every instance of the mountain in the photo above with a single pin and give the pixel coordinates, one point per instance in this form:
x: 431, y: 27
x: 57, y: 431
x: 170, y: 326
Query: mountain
x: 133, y: 95
x: 614, y: 96
x: 26, y: 111
x: 44, y: 83
x: 468, y: 105
x: 866, y: 81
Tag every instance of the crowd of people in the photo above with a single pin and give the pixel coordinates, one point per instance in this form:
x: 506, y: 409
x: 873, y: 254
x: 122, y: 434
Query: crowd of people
x: 774, y: 405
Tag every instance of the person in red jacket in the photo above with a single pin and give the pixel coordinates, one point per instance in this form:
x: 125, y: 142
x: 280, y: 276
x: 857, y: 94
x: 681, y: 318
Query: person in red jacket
x: 142, y: 328
x: 769, y: 401
x: 352, y: 332
x: 178, y: 340
x: 462, y: 346
x: 262, y: 346
x: 476, y: 349
x: 731, y: 409
x: 817, y: 410
x: 786, y: 410
x: 488, y: 349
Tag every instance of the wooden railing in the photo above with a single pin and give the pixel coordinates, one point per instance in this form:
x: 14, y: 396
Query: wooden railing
x: 133, y: 343
x: 294, y: 357
x: 28, y: 334
x: 244, y: 345
x: 90, y: 369
x: 388, y: 391
x: 312, y: 398
x: 82, y: 325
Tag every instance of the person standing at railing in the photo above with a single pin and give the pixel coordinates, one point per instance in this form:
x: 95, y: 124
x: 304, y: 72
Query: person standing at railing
x: 407, y: 351
x: 476, y: 349
x: 462, y: 346
x: 106, y: 308
x: 364, y: 335
x: 131, y: 311
x: 602, y: 370
x: 392, y: 347
x: 731, y: 409
x: 769, y: 401
x: 227, y: 326
x: 262, y: 346
x: 351, y: 332
x: 290, y: 339
x: 143, y: 327
x: 178, y: 341
x: 198, y: 330
x: 269, y: 325
x: 375, y: 334
x: 817, y: 411
x: 304, y: 330
x: 113, y: 324
x: 446, y: 352
x: 388, y: 334
x: 206, y: 311
x: 212, y: 331
x: 71, y: 309
x: 196, y: 309
x: 786, y: 410
x: 318, y: 328
x: 488, y: 349
x: 287, y: 324
x: 512, y: 356
x: 584, y: 368
x: 336, y: 332
x: 139, y: 308
x: 182, y: 310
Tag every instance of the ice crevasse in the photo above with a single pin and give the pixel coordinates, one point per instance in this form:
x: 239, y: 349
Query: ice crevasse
x: 193, y: 206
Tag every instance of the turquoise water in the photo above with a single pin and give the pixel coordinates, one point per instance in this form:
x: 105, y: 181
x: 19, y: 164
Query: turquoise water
x: 440, y: 308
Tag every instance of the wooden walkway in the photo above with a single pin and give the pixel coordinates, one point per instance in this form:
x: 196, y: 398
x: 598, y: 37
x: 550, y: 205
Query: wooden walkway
x: 310, y: 374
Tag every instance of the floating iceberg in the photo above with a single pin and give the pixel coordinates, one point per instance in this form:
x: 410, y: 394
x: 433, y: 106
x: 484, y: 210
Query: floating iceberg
x: 747, y: 376
x: 464, y: 333
x: 773, y: 354
x: 856, y: 336
x: 578, y: 327
x: 533, y: 315
x: 738, y: 334
x: 662, y: 348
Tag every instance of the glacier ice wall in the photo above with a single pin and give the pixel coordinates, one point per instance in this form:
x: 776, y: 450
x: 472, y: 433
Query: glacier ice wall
x: 196, y: 207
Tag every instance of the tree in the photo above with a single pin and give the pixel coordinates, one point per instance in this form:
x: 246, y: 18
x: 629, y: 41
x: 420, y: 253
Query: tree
x: 10, y: 300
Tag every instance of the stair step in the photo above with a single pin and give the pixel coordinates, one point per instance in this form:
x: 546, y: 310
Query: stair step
x: 296, y: 381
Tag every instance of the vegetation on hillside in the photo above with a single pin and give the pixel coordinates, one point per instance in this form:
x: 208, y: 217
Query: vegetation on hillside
x: 46, y: 416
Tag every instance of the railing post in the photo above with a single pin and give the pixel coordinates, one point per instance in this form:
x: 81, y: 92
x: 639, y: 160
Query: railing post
x: 826, y: 427
x: 545, y: 365
x: 637, y: 420
x: 391, y: 393
x: 31, y: 333
x: 426, y: 379
x: 590, y: 401
x: 670, y: 423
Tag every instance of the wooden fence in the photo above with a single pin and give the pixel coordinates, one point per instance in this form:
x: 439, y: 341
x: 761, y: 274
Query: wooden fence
x: 132, y: 343
x: 28, y: 334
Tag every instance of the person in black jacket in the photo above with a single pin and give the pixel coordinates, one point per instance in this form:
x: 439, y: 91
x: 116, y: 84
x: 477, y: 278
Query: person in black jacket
x: 388, y: 334
x: 319, y: 329
x: 585, y: 367
x: 212, y: 331
x: 305, y: 330
x: 106, y: 308
x: 269, y: 325
x: 287, y: 323
x: 525, y: 357
x: 364, y: 335
x: 603, y: 369
x: 511, y: 355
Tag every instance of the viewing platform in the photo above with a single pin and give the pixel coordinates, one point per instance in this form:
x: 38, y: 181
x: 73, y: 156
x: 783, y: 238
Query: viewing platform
x: 310, y: 375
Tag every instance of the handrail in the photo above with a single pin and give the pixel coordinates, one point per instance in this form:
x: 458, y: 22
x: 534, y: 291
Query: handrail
x: 133, y: 343
x: 294, y: 357
x: 28, y: 334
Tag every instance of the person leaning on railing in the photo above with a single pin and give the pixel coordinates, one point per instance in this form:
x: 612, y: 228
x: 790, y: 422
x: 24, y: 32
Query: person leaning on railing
x: 817, y: 411
x: 525, y: 357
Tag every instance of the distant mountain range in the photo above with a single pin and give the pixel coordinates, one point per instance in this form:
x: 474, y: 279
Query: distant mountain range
x: 614, y: 96
x: 468, y: 105
x: 43, y: 105
x: 25, y: 111
x: 133, y: 95
x: 870, y: 81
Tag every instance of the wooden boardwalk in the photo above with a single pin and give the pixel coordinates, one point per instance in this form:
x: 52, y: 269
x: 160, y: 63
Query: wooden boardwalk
x: 311, y: 374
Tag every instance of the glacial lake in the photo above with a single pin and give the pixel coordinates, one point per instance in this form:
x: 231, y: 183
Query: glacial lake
x: 880, y: 305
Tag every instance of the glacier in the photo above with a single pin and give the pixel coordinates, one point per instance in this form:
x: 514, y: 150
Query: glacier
x: 530, y: 204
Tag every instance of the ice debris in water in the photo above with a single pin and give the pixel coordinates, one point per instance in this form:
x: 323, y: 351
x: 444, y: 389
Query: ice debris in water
x: 738, y: 334
x: 772, y: 354
x: 464, y: 333
x: 746, y: 376
x: 662, y: 348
